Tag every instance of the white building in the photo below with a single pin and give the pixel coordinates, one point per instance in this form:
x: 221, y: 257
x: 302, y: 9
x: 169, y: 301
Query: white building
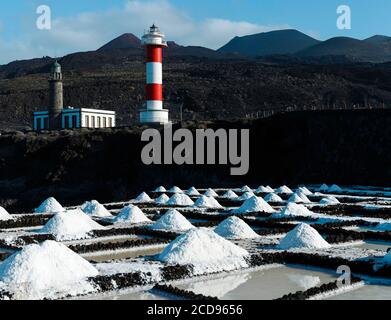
x: 77, y: 118
x: 57, y: 117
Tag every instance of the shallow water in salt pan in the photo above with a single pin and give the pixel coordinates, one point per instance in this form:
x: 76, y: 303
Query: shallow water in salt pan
x: 377, y: 245
x: 123, y: 254
x: 368, y: 292
x: 260, y: 285
x: 143, y: 295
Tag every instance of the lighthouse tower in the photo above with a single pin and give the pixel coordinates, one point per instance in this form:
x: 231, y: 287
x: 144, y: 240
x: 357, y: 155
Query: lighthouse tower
x: 55, y: 96
x: 154, y: 113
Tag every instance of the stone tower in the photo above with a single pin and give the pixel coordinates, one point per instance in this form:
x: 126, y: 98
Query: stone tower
x: 55, y: 97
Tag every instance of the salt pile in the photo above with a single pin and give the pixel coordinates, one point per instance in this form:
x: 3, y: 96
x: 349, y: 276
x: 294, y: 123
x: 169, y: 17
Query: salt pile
x: 180, y: 199
x: 295, y: 198
x: 175, y: 189
x: 303, y: 196
x: 46, y: 270
x: 329, y: 200
x: 94, y: 208
x: 162, y: 199
x: 192, y: 192
x: 131, y: 214
x: 50, y: 205
x: 269, y: 189
x: 142, y: 198
x: 299, y: 197
x: 272, y: 197
x: 207, y: 202
x: 284, y: 190
x: 246, y: 189
x: 210, y: 193
x: 323, y: 188
x: 303, y: 236
x: 254, y: 204
x: 230, y: 195
x: 262, y: 189
x: 245, y: 196
x: 70, y: 225
x: 4, y: 215
x: 172, y: 220
x: 235, y: 228
x: 304, y: 191
x: 334, y: 188
x: 160, y: 189
x: 206, y: 251
x: 293, y: 209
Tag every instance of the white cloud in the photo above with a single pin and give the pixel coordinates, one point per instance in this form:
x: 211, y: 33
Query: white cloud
x: 89, y: 31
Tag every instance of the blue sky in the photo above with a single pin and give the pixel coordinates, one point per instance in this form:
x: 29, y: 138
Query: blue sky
x: 80, y: 25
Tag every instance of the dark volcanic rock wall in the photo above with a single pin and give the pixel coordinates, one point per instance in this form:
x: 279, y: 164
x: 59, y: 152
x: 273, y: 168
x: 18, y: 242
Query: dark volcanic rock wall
x: 342, y: 147
x: 208, y: 89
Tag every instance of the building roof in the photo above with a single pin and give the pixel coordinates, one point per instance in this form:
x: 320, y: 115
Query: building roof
x: 56, y: 67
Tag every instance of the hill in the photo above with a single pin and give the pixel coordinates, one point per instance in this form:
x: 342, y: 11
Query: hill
x: 358, y: 50
x: 270, y: 43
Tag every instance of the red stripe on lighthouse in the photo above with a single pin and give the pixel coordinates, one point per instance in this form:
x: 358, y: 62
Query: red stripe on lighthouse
x: 154, y: 92
x: 154, y: 54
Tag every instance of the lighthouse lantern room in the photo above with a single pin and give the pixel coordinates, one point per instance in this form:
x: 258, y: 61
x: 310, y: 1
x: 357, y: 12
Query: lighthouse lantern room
x: 154, y: 42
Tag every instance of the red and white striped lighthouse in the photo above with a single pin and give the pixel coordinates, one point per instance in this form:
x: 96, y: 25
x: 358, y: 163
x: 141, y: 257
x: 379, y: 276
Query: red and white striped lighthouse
x: 154, y: 113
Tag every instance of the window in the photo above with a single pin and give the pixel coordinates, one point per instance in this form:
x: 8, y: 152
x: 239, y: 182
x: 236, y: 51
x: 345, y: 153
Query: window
x: 93, y: 121
x: 104, y: 122
x: 87, y: 121
x: 99, y: 122
x: 110, y: 122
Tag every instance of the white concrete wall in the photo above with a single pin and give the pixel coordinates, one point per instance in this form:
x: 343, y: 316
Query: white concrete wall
x: 97, y: 120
